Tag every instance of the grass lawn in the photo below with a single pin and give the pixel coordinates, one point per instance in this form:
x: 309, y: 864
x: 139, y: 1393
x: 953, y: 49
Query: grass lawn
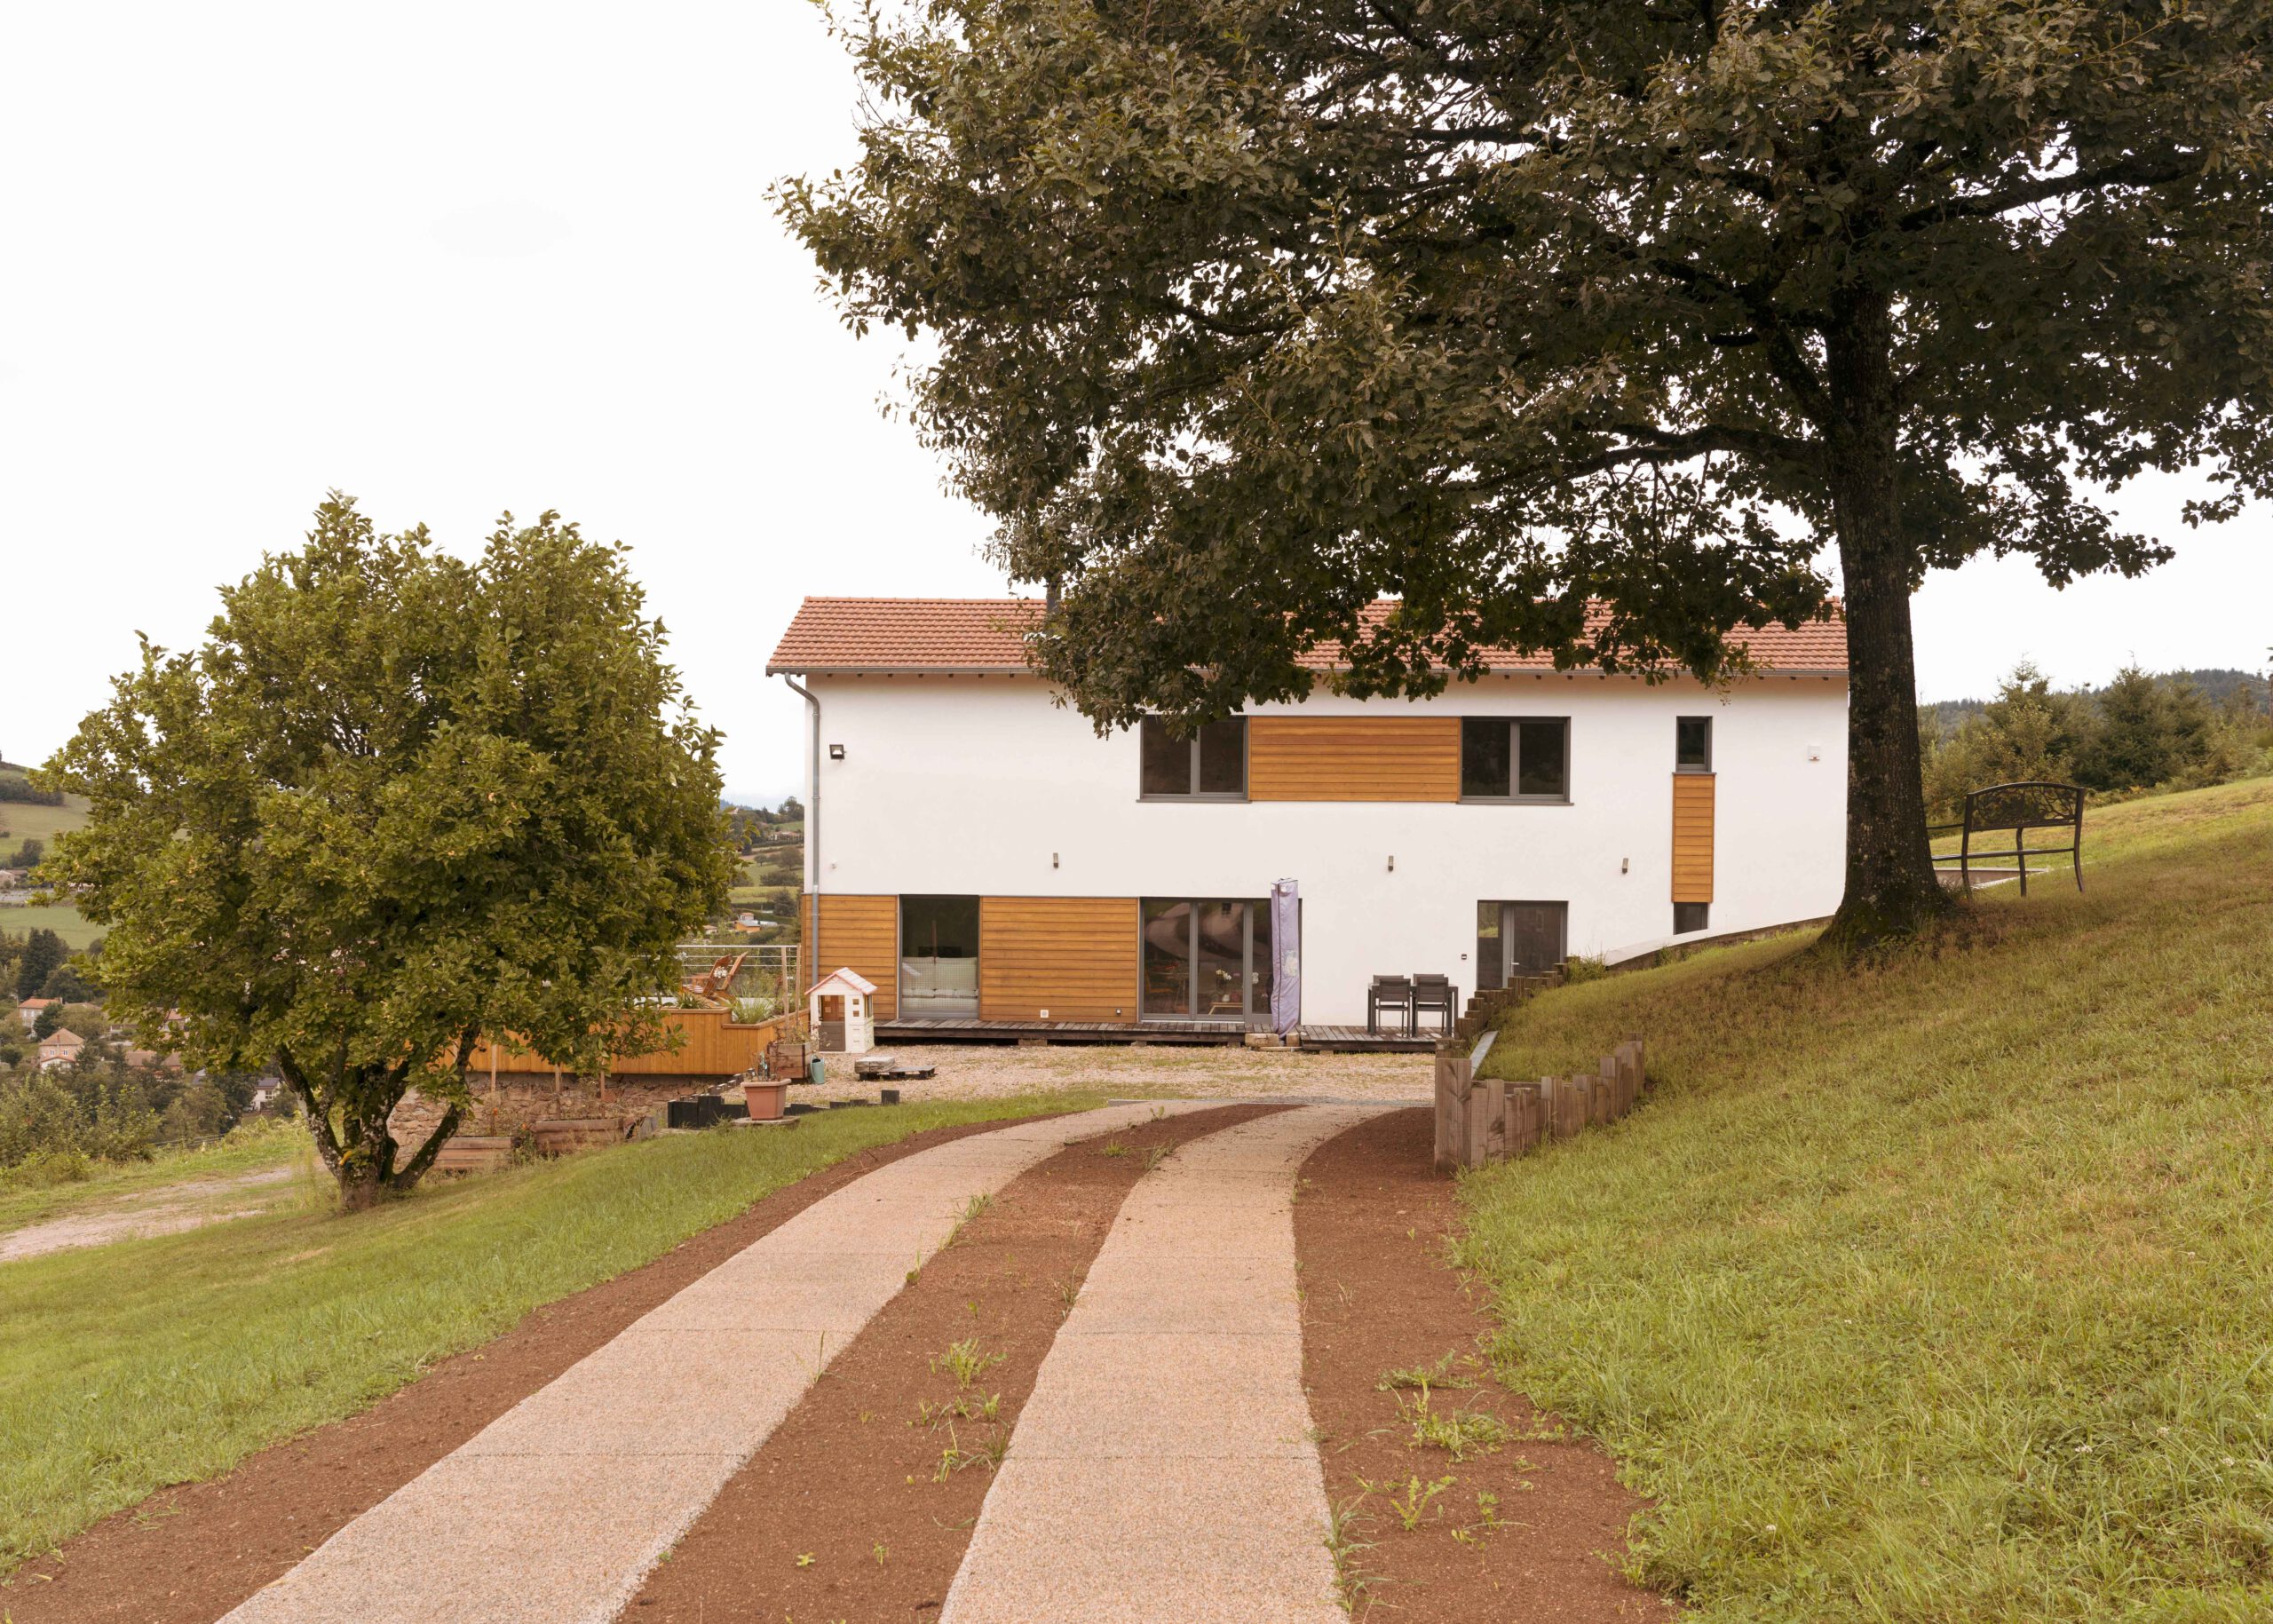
x: 1945, y: 1292
x: 126, y: 1368
x: 252, y: 1149
x: 65, y: 922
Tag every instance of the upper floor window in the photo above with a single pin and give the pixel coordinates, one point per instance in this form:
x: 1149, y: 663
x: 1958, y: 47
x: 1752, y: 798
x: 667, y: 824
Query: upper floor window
x: 1515, y: 758
x: 1210, y: 765
x: 1692, y: 744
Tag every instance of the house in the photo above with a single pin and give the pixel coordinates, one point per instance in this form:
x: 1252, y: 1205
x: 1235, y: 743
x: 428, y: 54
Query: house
x: 28, y: 1011
x: 979, y: 853
x: 60, y: 1047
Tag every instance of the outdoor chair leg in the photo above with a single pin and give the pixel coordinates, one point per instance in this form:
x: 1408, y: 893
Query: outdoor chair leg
x: 2020, y: 856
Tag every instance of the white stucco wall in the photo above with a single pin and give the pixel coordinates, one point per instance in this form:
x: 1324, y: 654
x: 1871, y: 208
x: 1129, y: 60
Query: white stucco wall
x: 978, y: 786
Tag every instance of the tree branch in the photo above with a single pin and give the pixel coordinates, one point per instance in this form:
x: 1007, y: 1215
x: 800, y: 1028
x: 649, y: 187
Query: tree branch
x: 2140, y: 170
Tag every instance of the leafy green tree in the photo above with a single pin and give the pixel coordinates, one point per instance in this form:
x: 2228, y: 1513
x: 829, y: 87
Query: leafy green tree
x: 65, y: 982
x: 1248, y: 312
x: 47, y: 1020
x: 2028, y: 732
x: 43, y: 954
x: 396, y: 801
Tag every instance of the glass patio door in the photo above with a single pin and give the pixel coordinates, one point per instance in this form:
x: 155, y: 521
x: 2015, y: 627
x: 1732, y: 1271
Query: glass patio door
x: 1206, y: 958
x: 938, y: 956
x: 1517, y: 939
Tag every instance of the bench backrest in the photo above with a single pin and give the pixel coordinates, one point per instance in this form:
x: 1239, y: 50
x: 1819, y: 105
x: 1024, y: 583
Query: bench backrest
x: 2024, y: 807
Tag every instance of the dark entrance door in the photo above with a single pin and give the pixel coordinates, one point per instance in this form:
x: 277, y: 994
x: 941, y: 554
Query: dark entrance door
x: 1519, y: 938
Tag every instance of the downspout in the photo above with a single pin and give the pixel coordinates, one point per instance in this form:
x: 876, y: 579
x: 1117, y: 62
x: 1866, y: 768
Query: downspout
x: 812, y: 833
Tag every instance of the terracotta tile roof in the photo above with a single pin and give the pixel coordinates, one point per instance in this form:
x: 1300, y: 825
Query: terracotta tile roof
x: 984, y: 635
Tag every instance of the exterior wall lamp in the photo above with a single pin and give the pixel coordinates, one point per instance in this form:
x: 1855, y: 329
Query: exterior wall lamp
x: 837, y: 752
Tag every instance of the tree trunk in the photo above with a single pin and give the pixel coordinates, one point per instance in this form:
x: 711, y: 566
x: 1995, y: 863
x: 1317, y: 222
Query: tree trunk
x: 1891, y: 889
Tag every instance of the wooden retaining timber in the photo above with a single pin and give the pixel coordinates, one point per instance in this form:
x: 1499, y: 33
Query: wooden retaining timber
x: 1493, y: 1119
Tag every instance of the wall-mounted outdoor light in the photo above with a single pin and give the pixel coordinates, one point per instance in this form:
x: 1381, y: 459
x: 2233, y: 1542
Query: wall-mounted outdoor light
x: 1623, y: 863
x: 1053, y: 859
x: 837, y: 752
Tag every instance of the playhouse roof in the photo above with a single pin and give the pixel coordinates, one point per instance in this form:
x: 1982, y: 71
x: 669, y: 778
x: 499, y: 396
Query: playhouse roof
x: 845, y: 981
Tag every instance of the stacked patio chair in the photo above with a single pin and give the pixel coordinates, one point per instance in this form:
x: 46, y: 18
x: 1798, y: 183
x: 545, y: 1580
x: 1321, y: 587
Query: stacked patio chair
x: 1389, y: 995
x: 1434, y: 994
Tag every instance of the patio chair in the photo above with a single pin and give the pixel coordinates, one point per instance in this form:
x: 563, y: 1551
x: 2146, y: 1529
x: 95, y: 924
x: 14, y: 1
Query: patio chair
x: 1434, y: 994
x: 1389, y: 994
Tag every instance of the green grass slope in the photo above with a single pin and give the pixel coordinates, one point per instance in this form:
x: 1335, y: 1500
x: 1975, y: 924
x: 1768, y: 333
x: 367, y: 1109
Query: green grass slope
x: 129, y: 1366
x: 1941, y: 1293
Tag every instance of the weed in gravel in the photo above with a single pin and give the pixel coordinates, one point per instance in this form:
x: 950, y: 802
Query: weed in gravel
x: 1157, y: 1155
x: 955, y: 1457
x: 966, y: 1362
x: 1068, y: 1291
x: 1488, y: 1520
x: 880, y: 1553
x: 1461, y: 1433
x: 1444, y: 1373
x: 927, y: 1415
x: 1412, y: 1507
x: 1351, y: 1582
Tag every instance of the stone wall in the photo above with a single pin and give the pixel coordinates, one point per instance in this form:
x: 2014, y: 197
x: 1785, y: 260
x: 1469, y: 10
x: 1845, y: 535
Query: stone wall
x: 514, y: 1104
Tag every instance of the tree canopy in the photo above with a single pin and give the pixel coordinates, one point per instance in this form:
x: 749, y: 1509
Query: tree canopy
x: 396, y: 802
x: 1573, y: 327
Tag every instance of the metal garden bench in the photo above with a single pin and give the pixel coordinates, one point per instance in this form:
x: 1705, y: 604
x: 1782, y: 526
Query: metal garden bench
x: 2016, y: 809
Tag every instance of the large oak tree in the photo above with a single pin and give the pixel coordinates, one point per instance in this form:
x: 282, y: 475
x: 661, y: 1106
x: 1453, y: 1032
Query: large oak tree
x: 394, y: 803
x: 1247, y: 311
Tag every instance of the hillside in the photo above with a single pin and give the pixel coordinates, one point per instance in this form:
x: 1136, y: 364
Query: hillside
x: 20, y: 821
x: 1938, y: 1293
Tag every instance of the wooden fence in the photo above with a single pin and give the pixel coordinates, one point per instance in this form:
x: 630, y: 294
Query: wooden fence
x: 1478, y: 1122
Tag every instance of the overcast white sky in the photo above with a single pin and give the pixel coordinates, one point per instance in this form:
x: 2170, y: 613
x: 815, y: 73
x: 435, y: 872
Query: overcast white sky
x: 460, y: 259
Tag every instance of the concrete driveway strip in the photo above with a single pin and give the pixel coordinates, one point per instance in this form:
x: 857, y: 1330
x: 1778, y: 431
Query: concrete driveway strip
x: 557, y: 1510
x: 1162, y: 1468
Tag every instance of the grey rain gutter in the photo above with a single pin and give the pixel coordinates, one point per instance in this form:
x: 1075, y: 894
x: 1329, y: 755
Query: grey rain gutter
x: 812, y: 804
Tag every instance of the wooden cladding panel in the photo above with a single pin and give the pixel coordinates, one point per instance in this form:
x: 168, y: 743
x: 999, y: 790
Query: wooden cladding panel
x: 1692, y: 837
x: 1353, y: 759
x: 1074, y: 957
x: 860, y: 933
x: 711, y: 1043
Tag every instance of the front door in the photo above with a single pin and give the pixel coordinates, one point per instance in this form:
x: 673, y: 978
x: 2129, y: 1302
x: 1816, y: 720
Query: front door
x: 1519, y: 938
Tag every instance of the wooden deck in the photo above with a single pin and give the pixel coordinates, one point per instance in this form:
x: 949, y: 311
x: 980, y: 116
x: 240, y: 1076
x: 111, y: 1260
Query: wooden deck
x: 969, y: 1029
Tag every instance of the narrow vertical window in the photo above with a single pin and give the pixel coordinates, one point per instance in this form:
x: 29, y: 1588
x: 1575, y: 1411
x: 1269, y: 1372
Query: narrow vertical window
x: 1692, y: 744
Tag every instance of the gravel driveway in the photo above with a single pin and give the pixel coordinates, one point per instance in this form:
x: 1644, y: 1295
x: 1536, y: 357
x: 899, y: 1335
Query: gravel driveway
x: 980, y: 1071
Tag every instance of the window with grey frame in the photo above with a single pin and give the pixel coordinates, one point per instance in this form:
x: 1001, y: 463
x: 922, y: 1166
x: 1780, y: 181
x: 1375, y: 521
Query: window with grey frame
x: 1516, y: 758
x: 1692, y: 744
x: 1209, y: 766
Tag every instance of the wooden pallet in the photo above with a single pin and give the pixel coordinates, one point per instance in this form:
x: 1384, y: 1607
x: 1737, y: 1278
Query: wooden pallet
x: 561, y: 1135
x: 474, y: 1154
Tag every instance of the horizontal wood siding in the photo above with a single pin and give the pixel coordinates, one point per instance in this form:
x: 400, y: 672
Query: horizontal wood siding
x: 861, y: 933
x: 1074, y: 957
x: 1692, y: 837
x: 1353, y: 759
x: 710, y: 1043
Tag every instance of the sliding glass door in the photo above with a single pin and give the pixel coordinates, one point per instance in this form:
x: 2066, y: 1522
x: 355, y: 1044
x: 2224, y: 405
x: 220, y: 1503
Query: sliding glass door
x: 1206, y: 958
